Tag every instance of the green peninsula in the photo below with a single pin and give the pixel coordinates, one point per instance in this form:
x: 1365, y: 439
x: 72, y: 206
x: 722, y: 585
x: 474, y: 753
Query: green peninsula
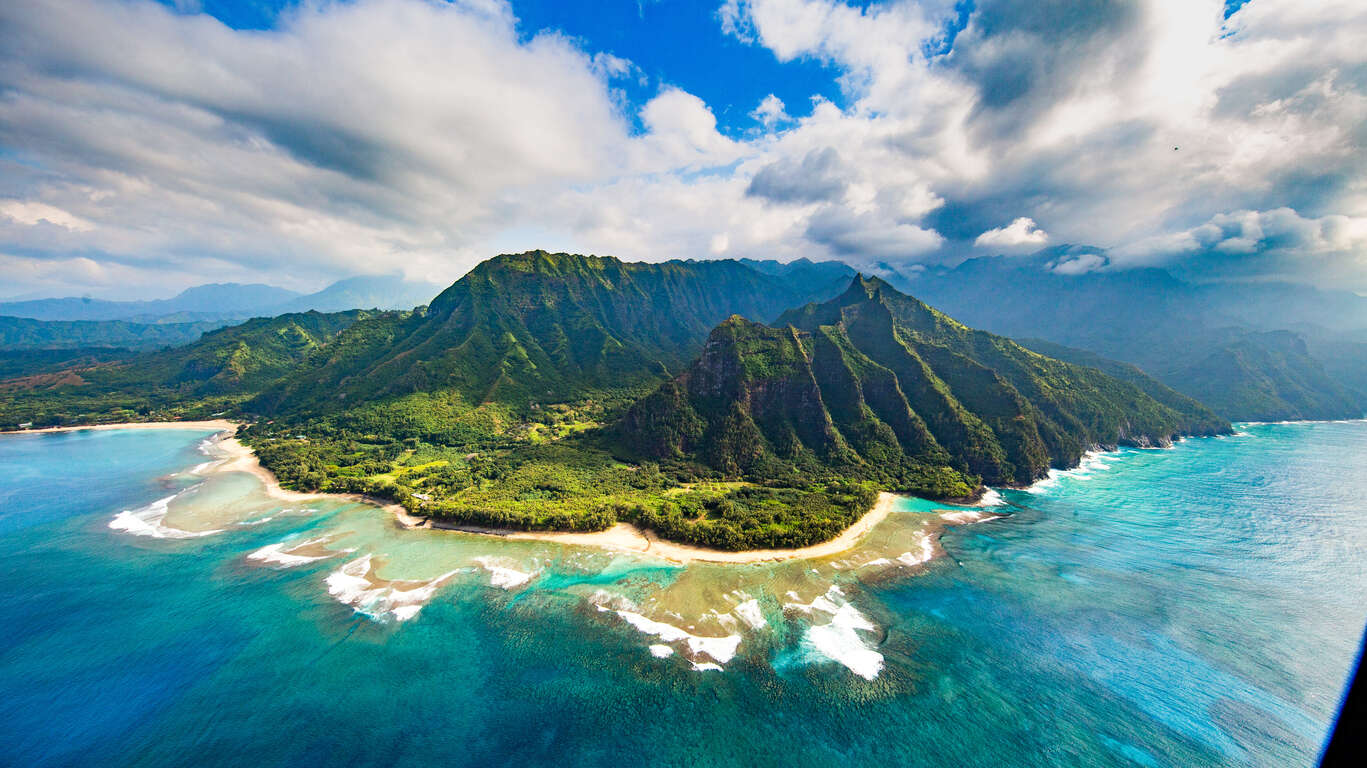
x: 713, y: 402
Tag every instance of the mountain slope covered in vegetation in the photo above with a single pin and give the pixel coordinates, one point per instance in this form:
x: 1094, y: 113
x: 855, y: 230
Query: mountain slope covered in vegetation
x: 553, y: 391
x: 877, y: 385
x: 20, y: 333
x: 1225, y: 344
x: 536, y: 327
x: 216, y: 372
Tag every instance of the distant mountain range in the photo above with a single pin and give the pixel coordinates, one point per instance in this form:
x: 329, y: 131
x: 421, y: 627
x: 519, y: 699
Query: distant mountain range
x: 20, y: 333
x: 203, y: 302
x: 68, y: 323
x: 719, y: 403
x: 1253, y: 352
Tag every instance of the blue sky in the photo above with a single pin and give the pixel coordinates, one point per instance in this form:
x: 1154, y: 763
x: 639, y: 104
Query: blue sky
x: 146, y: 145
x: 682, y: 44
x: 671, y: 42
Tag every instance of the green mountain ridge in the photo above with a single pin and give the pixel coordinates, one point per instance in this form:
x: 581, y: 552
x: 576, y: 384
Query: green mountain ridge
x: 1225, y: 344
x: 1268, y: 376
x: 18, y: 333
x: 532, y: 327
x: 555, y: 391
x: 214, y: 373
x: 879, y: 386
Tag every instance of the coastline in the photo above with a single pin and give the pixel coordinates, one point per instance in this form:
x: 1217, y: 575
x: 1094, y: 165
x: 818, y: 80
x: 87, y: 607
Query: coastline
x: 240, y: 458
x: 218, y: 424
x: 624, y: 537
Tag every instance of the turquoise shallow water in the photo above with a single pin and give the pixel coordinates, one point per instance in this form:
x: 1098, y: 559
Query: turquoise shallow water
x: 1193, y: 606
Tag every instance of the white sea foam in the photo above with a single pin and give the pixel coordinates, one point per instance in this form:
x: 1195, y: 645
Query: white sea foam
x: 501, y: 575
x: 257, y: 521
x: 706, y: 667
x: 839, y: 639
x: 924, y: 553
x: 1044, y: 483
x: 826, y: 603
x: 281, y: 553
x: 1090, y: 463
x: 719, y: 649
x: 352, y: 586
x: 607, y: 601
x: 660, y: 651
x: 991, y: 498
x: 750, y: 613
x: 965, y: 517
x: 148, y: 521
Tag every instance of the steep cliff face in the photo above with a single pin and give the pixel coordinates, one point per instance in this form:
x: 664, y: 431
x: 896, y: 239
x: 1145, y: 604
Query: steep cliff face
x: 782, y: 405
x: 875, y: 384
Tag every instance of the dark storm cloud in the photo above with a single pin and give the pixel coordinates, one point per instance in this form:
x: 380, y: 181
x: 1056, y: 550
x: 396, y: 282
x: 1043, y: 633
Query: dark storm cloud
x: 819, y: 177
x: 1024, y: 55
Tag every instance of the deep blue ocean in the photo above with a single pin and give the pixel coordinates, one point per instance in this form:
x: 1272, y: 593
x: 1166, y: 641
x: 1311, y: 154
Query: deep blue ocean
x: 1195, y: 606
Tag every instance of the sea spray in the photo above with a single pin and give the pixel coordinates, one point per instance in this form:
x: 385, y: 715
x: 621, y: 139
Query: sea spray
x: 923, y: 553
x: 1090, y: 463
x: 718, y: 649
x: 966, y: 517
x: 749, y: 612
x: 991, y: 498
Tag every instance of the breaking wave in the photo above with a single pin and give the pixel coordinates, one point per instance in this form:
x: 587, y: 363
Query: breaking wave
x: 353, y: 585
x: 149, y: 521
x: 839, y: 639
x: 1091, y: 463
x: 285, y: 554
x: 503, y: 576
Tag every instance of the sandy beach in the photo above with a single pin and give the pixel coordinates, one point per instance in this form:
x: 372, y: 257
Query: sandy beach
x: 628, y: 538
x: 625, y: 537
x: 218, y: 424
x: 239, y: 458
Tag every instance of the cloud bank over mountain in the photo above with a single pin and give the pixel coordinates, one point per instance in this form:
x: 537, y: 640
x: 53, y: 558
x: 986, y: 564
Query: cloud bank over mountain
x: 142, y: 146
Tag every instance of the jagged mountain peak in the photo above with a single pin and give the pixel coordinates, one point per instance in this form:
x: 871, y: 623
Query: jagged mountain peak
x: 535, y: 325
x: 876, y: 384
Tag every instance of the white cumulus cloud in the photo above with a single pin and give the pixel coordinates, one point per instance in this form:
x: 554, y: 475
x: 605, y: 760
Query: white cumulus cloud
x: 168, y: 149
x: 1021, y: 232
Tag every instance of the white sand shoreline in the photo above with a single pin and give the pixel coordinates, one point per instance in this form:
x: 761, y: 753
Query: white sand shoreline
x: 240, y: 458
x: 624, y: 537
x: 216, y: 424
